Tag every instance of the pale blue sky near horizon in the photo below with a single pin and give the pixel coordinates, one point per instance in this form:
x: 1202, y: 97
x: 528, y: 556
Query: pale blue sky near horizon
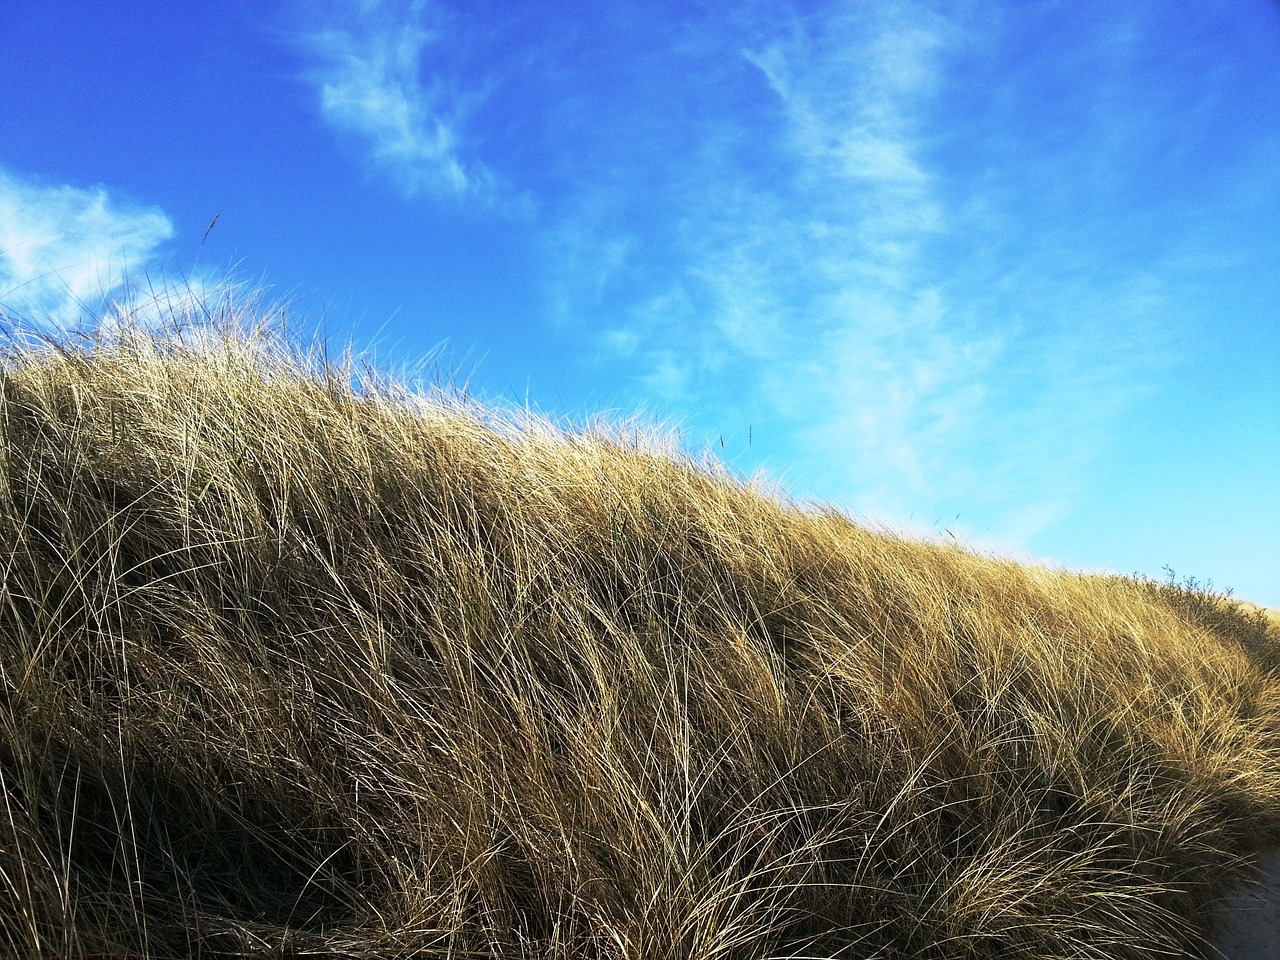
x: 1003, y: 271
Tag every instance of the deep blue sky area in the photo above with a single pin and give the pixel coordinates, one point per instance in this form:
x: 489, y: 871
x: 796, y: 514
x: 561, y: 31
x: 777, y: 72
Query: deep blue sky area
x: 1004, y: 271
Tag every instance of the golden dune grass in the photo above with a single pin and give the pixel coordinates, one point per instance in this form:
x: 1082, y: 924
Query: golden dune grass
x: 293, y: 667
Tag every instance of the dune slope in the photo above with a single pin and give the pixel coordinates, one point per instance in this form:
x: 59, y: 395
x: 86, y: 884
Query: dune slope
x: 296, y: 664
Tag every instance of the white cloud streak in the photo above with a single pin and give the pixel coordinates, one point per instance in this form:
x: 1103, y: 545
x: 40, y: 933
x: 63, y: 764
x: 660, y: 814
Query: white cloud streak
x: 807, y: 289
x: 63, y: 247
x: 831, y: 303
x: 375, y: 84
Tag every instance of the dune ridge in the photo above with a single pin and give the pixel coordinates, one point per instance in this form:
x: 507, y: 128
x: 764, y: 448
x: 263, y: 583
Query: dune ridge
x: 297, y: 663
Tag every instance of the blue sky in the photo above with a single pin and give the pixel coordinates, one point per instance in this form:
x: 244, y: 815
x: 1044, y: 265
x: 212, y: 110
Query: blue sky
x: 1004, y: 270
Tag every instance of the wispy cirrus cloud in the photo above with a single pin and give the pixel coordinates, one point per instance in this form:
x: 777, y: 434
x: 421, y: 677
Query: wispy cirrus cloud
x: 798, y: 294
x: 62, y: 247
x: 374, y: 78
x: 836, y: 279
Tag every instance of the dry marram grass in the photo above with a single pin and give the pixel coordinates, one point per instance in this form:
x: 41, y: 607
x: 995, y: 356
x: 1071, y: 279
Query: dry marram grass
x: 297, y: 664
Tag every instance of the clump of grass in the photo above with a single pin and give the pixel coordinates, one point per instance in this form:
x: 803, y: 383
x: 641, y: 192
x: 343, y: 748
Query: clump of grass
x: 294, y: 663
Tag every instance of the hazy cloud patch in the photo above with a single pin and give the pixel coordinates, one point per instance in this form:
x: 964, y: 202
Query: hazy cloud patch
x: 65, y: 247
x: 847, y: 295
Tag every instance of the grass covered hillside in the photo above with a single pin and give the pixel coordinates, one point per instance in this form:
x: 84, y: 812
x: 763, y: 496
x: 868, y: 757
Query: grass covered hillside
x: 296, y: 668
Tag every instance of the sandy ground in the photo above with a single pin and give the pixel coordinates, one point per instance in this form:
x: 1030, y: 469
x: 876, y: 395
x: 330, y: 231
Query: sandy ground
x: 1251, y: 915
